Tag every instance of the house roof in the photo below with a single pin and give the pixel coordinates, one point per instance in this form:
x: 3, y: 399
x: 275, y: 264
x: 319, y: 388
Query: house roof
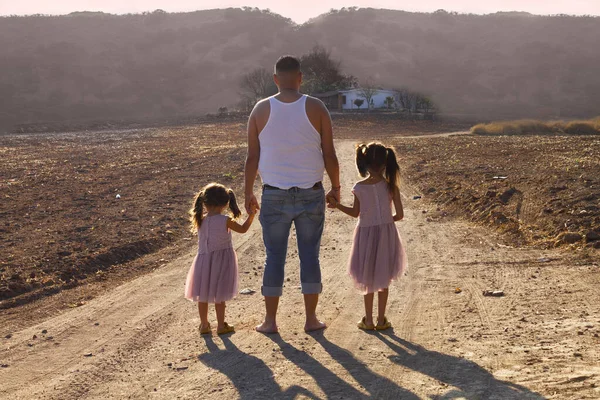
x: 358, y: 89
x: 336, y: 92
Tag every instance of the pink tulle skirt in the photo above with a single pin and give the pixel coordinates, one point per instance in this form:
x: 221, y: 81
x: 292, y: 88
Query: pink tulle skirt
x: 213, y: 277
x: 377, y: 257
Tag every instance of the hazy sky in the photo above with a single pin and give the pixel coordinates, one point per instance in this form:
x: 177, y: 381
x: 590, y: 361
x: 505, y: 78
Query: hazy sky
x: 299, y: 10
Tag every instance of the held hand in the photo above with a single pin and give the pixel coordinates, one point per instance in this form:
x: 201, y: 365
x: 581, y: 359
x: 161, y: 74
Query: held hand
x: 333, y: 197
x: 331, y: 202
x: 251, y: 204
x: 253, y: 211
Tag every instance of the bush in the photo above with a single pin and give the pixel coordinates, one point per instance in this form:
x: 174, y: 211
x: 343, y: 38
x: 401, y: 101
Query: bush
x: 535, y: 127
x: 581, y: 128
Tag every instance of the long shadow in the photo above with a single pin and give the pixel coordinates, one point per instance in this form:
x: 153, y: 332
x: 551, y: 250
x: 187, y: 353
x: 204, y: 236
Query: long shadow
x: 245, y: 370
x: 334, y: 387
x: 471, y: 380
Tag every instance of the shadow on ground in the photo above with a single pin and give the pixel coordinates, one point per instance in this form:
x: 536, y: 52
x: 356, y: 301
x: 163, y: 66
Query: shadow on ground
x: 334, y: 387
x: 468, y: 379
x: 471, y: 380
x: 244, y: 370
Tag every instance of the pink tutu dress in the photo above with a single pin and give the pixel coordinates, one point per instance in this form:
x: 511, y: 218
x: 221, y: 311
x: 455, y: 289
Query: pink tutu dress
x: 213, y: 276
x: 377, y: 256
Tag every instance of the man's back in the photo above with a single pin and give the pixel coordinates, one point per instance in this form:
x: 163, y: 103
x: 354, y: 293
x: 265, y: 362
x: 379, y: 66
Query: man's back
x: 286, y: 135
x: 290, y: 142
x: 314, y: 111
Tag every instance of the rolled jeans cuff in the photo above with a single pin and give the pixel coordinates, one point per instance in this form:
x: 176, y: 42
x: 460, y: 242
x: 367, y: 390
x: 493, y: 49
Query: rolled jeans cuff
x: 312, y: 288
x: 271, y: 291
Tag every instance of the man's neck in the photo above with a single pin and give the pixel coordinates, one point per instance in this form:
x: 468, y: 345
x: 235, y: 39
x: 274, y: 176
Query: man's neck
x: 286, y: 92
x: 288, y: 95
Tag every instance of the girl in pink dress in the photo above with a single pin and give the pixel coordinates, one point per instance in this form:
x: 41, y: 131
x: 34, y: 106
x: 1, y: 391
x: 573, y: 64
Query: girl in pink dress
x: 213, y: 276
x: 377, y: 256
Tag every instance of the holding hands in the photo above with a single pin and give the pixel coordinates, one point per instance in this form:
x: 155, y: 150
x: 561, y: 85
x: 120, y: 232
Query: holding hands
x: 333, y: 197
x: 251, y: 204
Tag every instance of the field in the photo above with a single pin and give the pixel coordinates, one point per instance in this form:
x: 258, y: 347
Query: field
x: 80, y: 204
x: 64, y: 225
x: 540, y: 190
x: 482, y: 213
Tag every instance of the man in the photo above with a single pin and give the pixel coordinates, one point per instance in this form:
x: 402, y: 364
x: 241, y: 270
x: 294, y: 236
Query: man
x: 290, y: 142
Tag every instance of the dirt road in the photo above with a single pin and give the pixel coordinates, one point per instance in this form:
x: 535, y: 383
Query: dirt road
x: 140, y: 340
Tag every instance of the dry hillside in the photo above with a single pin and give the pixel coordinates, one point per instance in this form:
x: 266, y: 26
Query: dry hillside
x: 95, y: 66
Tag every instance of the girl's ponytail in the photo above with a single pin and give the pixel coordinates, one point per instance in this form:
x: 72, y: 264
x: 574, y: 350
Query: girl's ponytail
x: 233, y: 205
x: 197, y: 212
x: 391, y: 169
x: 361, y: 159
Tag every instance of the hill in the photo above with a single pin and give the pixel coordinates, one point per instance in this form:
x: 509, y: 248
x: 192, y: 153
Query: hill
x: 95, y: 66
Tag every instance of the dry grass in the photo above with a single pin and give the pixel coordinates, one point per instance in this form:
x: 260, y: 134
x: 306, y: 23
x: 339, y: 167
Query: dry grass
x: 535, y: 127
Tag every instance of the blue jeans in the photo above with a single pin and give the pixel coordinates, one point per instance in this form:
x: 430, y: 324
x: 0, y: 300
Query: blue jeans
x: 306, y: 209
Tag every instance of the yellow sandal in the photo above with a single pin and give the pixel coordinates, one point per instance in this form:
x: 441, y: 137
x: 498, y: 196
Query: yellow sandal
x: 226, y: 329
x: 363, y: 325
x: 205, y: 331
x: 386, y: 325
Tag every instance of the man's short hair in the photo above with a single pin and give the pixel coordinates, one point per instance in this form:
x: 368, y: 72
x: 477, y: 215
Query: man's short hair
x: 287, y: 64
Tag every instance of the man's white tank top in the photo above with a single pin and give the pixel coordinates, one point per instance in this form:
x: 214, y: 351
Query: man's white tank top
x: 290, y: 147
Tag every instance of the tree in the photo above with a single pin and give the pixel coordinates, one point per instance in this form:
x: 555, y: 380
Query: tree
x: 256, y: 85
x: 368, y: 91
x: 321, y: 73
x: 412, y: 102
x: 358, y: 103
x: 407, y: 100
x: 389, y: 101
x: 426, y: 104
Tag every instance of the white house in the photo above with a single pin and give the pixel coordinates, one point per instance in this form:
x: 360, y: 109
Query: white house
x: 377, y: 101
x: 344, y: 99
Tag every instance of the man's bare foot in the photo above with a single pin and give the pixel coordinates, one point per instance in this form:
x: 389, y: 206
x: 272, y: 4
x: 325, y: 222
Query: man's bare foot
x: 267, y: 327
x: 314, y: 326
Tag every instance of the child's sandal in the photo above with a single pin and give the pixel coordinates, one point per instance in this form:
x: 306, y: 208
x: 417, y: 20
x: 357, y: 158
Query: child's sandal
x: 226, y: 329
x: 363, y: 325
x: 205, y: 331
x: 386, y: 325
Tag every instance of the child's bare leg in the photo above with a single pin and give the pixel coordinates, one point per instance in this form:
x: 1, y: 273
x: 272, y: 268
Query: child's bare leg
x: 203, y: 311
x: 369, y: 308
x: 382, y: 297
x: 220, y: 310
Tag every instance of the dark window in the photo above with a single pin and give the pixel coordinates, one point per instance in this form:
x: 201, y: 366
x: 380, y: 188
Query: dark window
x: 343, y: 99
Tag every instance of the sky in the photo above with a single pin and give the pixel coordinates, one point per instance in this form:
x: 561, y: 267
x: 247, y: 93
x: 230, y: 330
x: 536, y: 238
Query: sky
x: 299, y: 10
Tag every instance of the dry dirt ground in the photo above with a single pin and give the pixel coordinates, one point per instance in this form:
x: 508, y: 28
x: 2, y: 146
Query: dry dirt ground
x: 77, y: 207
x: 542, y: 190
x: 84, y: 207
x: 139, y: 339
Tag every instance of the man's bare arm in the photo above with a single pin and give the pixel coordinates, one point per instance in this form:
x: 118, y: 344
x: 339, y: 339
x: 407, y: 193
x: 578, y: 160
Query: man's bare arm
x: 251, y: 167
x: 332, y: 165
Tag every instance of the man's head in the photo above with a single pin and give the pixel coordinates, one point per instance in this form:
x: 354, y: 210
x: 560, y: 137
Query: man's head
x: 287, y: 73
